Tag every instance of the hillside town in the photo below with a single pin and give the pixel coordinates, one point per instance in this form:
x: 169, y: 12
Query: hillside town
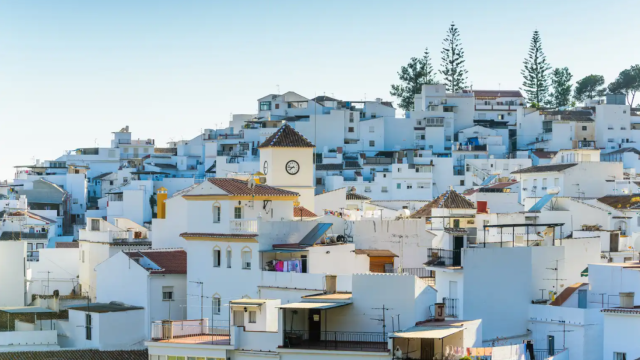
x: 325, y: 228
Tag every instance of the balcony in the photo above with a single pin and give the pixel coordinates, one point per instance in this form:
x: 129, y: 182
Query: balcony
x: 378, y: 161
x: 241, y: 226
x: 232, y: 153
x: 231, y: 136
x: 336, y: 340
x: 444, y: 258
x: 190, y: 332
x: 426, y: 275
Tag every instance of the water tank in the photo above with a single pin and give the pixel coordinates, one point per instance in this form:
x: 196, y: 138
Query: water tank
x: 627, y: 300
x: 553, y: 190
x: 616, y: 99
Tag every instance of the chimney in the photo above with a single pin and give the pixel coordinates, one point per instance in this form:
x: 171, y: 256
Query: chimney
x: 339, y: 150
x: 378, y: 100
x: 482, y: 207
x: 439, y: 315
x: 330, y: 283
x: 627, y: 300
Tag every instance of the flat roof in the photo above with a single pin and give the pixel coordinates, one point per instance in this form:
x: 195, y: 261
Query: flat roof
x: 336, y: 296
x: 248, y: 302
x: 283, y: 251
x: 25, y: 310
x: 313, y: 305
x: 523, y: 225
x: 104, y: 307
x: 422, y: 332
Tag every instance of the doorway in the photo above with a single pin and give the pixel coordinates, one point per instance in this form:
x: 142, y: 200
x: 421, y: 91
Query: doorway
x: 238, y: 318
x: 458, y: 244
x: 315, y: 324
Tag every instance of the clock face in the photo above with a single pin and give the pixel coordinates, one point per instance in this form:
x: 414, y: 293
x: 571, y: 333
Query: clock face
x: 292, y: 167
x: 265, y: 168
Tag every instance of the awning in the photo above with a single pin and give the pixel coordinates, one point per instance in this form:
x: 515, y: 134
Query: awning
x: 313, y: 305
x: 283, y: 251
x: 25, y: 310
x: 585, y: 272
x: 248, y: 303
x: 427, y: 333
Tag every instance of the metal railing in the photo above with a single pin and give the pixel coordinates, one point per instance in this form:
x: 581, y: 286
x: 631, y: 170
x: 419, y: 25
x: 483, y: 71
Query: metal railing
x: 450, y: 307
x: 428, y: 276
x: 336, y: 340
x: 177, y: 331
x: 378, y: 161
x: 542, y: 354
x: 232, y: 153
x: 28, y: 235
x: 444, y: 258
x: 243, y: 226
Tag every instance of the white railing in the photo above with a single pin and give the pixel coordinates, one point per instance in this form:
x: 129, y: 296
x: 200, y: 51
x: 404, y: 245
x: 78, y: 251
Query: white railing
x: 244, y: 226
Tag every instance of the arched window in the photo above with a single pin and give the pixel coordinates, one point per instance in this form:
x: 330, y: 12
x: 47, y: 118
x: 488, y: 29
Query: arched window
x: 217, y: 304
x: 216, y: 256
x: 216, y: 212
x: 246, y: 258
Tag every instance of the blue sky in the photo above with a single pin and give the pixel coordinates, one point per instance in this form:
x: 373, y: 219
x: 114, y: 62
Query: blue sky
x: 72, y: 71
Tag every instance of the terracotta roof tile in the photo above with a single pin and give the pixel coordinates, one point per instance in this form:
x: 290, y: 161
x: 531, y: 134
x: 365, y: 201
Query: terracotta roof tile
x: 173, y: 261
x: 301, y: 211
x: 544, y: 168
x: 286, y: 136
x: 76, y: 355
x: 544, y: 154
x: 448, y: 200
x: 235, y: 187
x: 631, y: 201
x: 67, y: 245
x: 497, y: 93
x: 375, y: 252
x: 354, y: 196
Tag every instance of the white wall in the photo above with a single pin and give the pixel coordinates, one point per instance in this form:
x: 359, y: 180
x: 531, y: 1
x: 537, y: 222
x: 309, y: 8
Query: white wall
x: 57, y: 269
x: 12, y: 261
x: 620, y: 335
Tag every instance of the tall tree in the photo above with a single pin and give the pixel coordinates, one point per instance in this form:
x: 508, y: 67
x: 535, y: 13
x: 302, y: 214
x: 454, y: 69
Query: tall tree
x: 453, y: 71
x: 589, y: 87
x: 560, y: 87
x: 535, y: 73
x: 416, y: 73
x: 628, y: 83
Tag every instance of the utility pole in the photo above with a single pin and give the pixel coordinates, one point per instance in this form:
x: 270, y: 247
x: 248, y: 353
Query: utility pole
x: 384, y: 324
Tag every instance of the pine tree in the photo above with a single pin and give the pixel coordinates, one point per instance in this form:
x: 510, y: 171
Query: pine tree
x: 453, y: 71
x: 416, y: 73
x: 560, y: 87
x: 536, y: 82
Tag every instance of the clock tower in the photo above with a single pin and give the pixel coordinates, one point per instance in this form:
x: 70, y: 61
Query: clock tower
x: 286, y: 159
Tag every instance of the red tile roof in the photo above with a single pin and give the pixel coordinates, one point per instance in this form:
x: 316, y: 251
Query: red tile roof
x: 448, y: 200
x: 544, y: 154
x: 218, y: 235
x: 235, y: 187
x: 301, y: 211
x: 172, y: 261
x: 497, y: 93
x: 67, y: 245
x: 375, y: 252
x: 288, y: 137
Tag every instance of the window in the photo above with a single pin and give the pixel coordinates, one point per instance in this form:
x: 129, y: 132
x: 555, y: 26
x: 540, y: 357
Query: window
x: 584, y: 128
x: 373, y: 115
x: 535, y: 183
x: 623, y: 128
x: 350, y: 117
x: 372, y: 143
x: 216, y: 213
x: 170, y: 357
x: 417, y: 136
x: 75, y: 201
x: 556, y: 182
x: 384, y: 175
x: 87, y: 323
x: 237, y: 212
x: 424, y: 185
x: 228, y: 258
x: 482, y: 115
x: 217, y: 304
x: 367, y: 189
x: 372, y: 129
x: 500, y: 116
x: 265, y: 105
x: 398, y: 186
x: 409, y: 186
x: 246, y: 259
x: 351, y: 129
x: 252, y: 317
x: 216, y: 258
x: 399, y: 169
x: 167, y: 293
x: 461, y: 182
x: 384, y: 190
x: 544, y: 183
x: 277, y: 106
x: 95, y: 224
x: 125, y: 150
x: 619, y: 356
x: 447, y: 138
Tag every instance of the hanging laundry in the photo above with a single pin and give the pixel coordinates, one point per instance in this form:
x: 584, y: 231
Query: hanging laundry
x: 279, y: 266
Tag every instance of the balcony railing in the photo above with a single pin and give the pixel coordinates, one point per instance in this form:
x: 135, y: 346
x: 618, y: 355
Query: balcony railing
x: 28, y: 235
x: 336, y: 340
x: 450, y: 307
x: 189, y: 332
x: 232, y: 153
x: 378, y: 161
x: 444, y: 258
x: 543, y: 354
x: 231, y: 136
x: 428, y: 276
x: 244, y: 226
